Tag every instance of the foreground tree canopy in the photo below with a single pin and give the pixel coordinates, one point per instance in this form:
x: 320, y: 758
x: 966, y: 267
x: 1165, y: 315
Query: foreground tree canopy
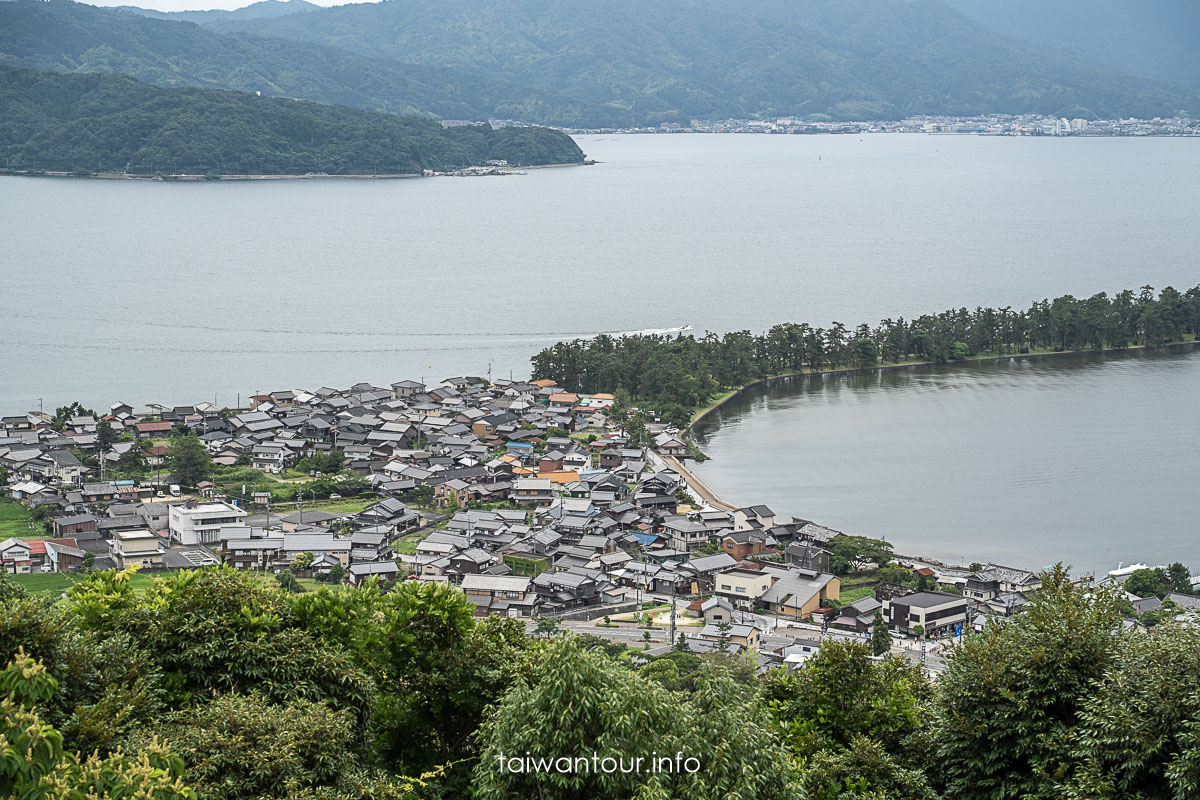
x: 687, y: 371
x: 215, y: 684
x: 113, y: 123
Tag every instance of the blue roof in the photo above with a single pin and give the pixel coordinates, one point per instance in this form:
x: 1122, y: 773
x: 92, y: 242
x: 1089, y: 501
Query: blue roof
x: 522, y: 445
x: 646, y: 538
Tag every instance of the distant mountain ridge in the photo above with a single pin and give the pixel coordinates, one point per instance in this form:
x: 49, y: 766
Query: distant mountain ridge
x: 1159, y: 38
x: 103, y: 122
x: 604, y: 63
x: 264, y: 9
x: 74, y: 37
x: 668, y: 60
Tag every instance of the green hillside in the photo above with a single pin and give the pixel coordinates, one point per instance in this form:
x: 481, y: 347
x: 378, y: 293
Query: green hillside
x: 675, y: 59
x: 1159, y: 38
x: 113, y: 123
x: 73, y: 37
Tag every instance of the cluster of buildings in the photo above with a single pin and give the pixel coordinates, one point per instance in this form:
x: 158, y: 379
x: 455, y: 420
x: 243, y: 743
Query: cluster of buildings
x: 989, y: 124
x: 533, y: 504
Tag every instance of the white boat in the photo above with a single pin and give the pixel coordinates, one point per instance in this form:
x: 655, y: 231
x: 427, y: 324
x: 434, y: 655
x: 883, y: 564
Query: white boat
x: 1123, y: 571
x: 656, y: 331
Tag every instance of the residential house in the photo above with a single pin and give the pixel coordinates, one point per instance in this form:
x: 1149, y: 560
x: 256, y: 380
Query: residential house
x: 533, y: 492
x: 684, y: 534
x: 315, y: 541
x: 272, y: 457
x: 716, y: 609
x: 563, y: 590
x: 745, y: 636
x: 743, y: 544
x: 994, y: 580
x: 743, y: 587
x: 195, y: 523
x: 700, y: 574
x: 797, y: 593
x: 146, y: 430
x: 385, y: 570
x: 74, y: 525
x: 136, y: 548
x: 753, y: 517
x: 859, y: 616
x: 247, y: 548
x: 501, y: 595
x: 935, y: 612
x: 807, y: 555
x: 670, y: 445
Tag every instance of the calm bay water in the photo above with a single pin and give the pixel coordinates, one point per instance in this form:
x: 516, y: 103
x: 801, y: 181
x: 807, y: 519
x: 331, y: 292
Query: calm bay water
x: 178, y: 293
x: 1089, y: 460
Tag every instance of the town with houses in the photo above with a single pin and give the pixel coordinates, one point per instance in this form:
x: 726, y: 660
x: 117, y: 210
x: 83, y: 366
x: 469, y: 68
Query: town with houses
x: 983, y: 125
x: 527, y: 497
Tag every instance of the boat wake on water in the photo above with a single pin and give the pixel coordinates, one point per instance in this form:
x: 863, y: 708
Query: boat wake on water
x: 653, y: 331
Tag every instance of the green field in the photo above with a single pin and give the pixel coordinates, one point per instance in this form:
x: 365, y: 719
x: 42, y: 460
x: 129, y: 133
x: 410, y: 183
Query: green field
x: 349, y: 506
x: 55, y: 582
x: 407, y: 544
x: 14, y: 521
x: 855, y: 593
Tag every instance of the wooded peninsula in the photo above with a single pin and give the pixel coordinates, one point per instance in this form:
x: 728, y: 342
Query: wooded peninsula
x: 107, y: 123
x: 681, y: 372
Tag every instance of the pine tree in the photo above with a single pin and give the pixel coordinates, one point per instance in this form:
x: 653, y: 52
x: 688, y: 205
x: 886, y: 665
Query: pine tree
x: 881, y: 641
x: 190, y: 462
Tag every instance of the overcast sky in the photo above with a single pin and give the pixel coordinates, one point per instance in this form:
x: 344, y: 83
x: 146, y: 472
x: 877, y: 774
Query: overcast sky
x: 195, y: 5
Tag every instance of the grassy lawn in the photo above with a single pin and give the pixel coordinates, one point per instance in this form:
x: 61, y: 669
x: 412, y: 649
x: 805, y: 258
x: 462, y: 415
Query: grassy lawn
x: 349, y: 506
x: 14, y: 521
x: 856, y: 593
x: 57, y: 583
x: 407, y: 544
x: 716, y: 401
x: 268, y: 579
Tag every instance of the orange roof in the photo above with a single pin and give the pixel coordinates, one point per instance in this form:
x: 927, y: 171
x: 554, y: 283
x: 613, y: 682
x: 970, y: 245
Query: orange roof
x: 564, y: 397
x: 560, y: 477
x: 603, y: 396
x: 544, y: 383
x: 523, y: 471
x: 508, y: 458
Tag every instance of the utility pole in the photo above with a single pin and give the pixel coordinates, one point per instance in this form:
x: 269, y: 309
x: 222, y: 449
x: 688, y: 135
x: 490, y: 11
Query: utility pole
x: 672, y: 613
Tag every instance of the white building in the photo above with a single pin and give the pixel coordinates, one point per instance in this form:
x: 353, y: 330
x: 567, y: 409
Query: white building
x: 135, y: 548
x: 201, y: 523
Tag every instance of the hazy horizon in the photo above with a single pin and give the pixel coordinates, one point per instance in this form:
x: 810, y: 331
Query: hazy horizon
x: 202, y: 5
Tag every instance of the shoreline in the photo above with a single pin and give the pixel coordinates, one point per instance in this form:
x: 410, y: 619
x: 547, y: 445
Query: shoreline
x: 707, y: 495
x: 219, y: 177
x: 730, y: 395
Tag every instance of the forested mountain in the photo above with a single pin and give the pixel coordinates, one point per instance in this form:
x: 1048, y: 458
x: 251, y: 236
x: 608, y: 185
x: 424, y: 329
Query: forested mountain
x: 73, y: 37
x: 113, y: 123
x: 263, y: 9
x: 1160, y: 38
x: 675, y: 59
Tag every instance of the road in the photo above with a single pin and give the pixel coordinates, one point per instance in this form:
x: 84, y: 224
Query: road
x: 696, y: 487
